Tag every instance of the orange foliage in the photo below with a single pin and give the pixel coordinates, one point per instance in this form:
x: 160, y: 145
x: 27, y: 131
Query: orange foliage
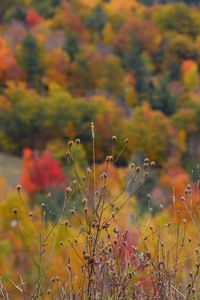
x: 186, y: 65
x: 147, y: 35
x: 175, y: 177
x: 27, y: 167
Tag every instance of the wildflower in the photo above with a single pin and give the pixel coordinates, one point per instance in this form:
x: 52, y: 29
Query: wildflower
x: 78, y: 141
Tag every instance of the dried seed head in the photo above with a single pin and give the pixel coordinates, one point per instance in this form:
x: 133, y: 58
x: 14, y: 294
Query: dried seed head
x: 148, y: 196
x: 19, y: 187
x: 88, y: 170
x: 115, y: 242
x: 61, y: 243
x: 75, y: 182
x: 84, y: 201
x: 49, y: 292
x: 68, y: 153
x: 84, y: 178
x: 146, y: 174
x: 153, y: 163
x: 116, y: 231
x: 66, y: 223
x: 126, y: 141
x: 86, y: 210
x: 43, y: 205
x: 161, y: 207
x: 168, y: 224
x: 49, y: 195
x: 68, y: 190
x: 132, y: 166
x: 57, y: 278
x: 183, y: 199
x: 109, y: 158
x: 189, y: 187
x: 92, y: 129
x: 52, y: 279
x: 70, y: 143
x: 150, y: 227
x: 189, y: 239
x: 137, y: 170
x: 72, y: 211
x: 184, y: 221
x: 114, y: 138
x: 30, y: 214
x: 146, y: 160
x: 15, y: 211
x: 78, y: 141
x: 145, y: 165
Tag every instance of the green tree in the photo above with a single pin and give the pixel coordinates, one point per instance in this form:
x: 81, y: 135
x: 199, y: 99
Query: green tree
x: 31, y: 62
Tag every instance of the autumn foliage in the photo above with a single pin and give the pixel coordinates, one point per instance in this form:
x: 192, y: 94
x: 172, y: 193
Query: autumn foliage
x: 40, y: 171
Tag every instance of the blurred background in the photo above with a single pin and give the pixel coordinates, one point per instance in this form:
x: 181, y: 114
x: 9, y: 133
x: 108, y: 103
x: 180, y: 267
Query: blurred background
x: 131, y: 66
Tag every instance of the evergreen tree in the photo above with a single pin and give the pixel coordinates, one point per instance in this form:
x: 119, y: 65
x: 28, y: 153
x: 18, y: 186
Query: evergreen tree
x: 71, y: 46
x: 160, y: 97
x: 97, y: 19
x: 134, y: 62
x: 30, y: 58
